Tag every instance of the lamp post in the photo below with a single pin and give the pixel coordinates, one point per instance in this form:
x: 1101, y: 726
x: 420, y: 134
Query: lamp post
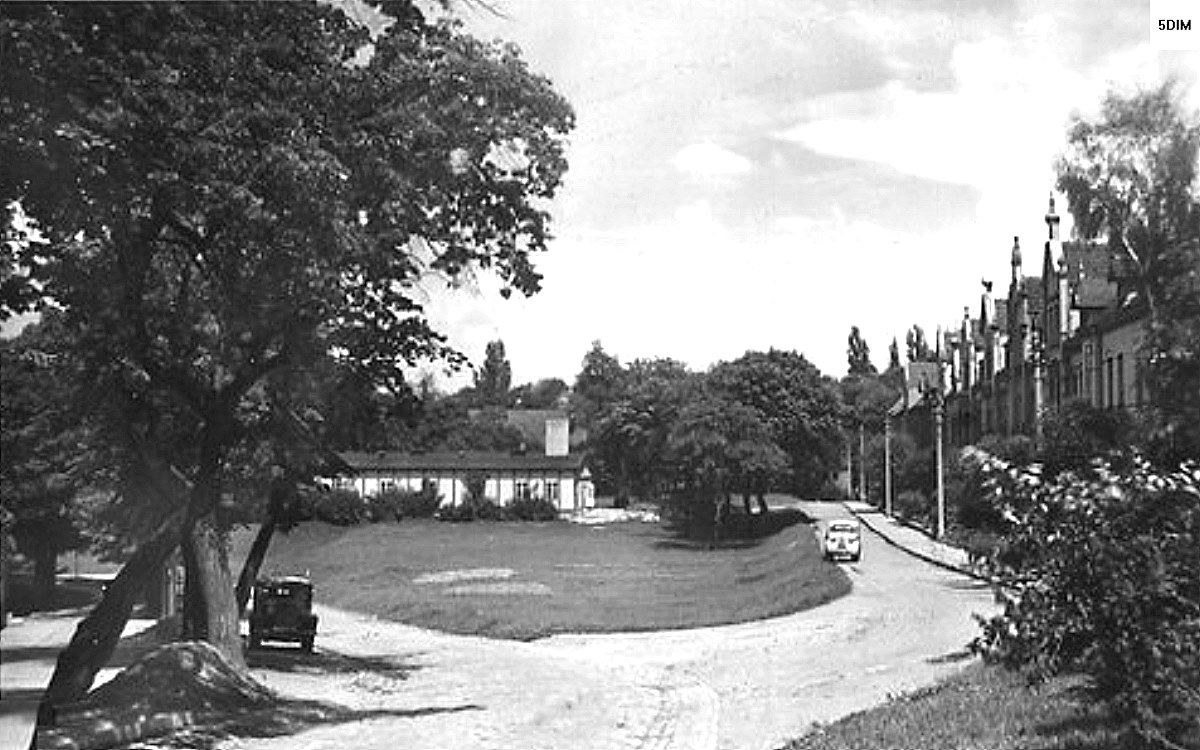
x: 937, y: 400
x: 862, y: 464
x: 1035, y: 352
x: 887, y: 464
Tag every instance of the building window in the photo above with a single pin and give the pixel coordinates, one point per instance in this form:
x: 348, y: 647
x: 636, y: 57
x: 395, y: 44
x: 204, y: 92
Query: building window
x: 1109, y: 401
x: 521, y: 490
x: 552, y: 491
x: 1089, y: 376
x: 1121, y: 380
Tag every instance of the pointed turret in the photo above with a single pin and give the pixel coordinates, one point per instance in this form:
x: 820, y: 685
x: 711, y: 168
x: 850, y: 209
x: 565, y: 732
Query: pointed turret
x: 1052, y: 221
x: 1016, y: 260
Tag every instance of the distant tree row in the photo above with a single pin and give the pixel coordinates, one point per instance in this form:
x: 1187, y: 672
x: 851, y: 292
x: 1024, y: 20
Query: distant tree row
x: 659, y: 432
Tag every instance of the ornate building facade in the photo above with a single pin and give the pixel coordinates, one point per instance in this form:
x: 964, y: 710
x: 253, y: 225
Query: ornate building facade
x: 1074, y: 333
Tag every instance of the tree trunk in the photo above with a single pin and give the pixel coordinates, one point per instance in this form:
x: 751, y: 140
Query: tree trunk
x: 254, y: 560
x: 98, y: 634
x: 45, y: 568
x: 210, y: 607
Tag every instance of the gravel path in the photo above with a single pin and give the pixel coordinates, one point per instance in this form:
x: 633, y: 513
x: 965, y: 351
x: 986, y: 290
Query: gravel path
x: 750, y: 686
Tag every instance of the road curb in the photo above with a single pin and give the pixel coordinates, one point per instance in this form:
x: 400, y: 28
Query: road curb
x: 869, y: 522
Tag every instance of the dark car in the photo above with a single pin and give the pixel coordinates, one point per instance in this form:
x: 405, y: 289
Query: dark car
x: 283, y: 612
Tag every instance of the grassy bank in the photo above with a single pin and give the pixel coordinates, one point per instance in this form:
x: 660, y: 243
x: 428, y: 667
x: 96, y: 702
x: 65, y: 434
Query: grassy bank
x: 527, y: 580
x: 983, y: 708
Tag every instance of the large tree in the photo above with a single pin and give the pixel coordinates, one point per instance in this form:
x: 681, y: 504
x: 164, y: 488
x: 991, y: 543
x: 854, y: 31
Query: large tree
x: 799, y: 405
x: 858, y: 354
x: 229, y: 192
x: 717, y: 447
x: 630, y: 434
x: 1130, y: 177
x: 493, y: 379
x: 42, y: 442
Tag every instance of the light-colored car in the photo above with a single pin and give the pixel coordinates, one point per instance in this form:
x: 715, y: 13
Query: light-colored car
x: 843, y: 540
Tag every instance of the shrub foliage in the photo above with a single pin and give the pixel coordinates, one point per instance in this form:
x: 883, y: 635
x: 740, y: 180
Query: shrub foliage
x: 397, y: 504
x: 340, y: 507
x: 1099, y: 572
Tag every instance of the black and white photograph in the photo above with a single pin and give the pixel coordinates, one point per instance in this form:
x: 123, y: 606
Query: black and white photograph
x: 623, y: 375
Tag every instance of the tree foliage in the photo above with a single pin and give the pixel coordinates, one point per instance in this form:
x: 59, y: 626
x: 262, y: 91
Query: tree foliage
x: 1098, y: 574
x: 42, y: 445
x: 799, y: 405
x: 858, y: 354
x: 230, y: 193
x: 547, y: 393
x: 493, y: 379
x: 1130, y: 177
x: 916, y: 347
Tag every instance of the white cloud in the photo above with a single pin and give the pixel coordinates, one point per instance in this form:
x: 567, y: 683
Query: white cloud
x: 707, y: 159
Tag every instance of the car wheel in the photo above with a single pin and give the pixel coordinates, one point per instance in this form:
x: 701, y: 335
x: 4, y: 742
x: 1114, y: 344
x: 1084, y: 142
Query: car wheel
x: 306, y: 645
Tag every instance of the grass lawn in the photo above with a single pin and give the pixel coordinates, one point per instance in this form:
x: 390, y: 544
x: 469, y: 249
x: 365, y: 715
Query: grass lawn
x: 527, y: 580
x: 983, y: 708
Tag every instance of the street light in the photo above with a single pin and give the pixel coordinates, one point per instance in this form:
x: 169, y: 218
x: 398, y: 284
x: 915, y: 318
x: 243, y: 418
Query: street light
x: 937, y: 400
x: 1036, y: 352
x: 887, y: 464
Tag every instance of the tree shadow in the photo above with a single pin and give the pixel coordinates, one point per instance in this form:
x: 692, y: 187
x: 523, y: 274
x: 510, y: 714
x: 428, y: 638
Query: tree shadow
x: 291, y: 660
x: 951, y: 657
x: 22, y: 700
x: 738, y: 531
x: 31, y: 653
x: 206, y: 731
x: 1091, y: 728
x: 293, y: 717
x: 969, y: 584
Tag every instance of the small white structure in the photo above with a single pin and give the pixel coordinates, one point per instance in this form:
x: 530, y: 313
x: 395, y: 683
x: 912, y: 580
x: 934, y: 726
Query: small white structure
x: 507, y: 476
x: 555, y: 475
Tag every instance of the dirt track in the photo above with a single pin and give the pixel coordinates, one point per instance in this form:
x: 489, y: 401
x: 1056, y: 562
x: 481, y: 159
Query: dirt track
x: 746, y: 686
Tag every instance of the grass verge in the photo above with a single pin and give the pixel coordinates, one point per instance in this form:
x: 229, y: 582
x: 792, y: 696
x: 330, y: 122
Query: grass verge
x: 982, y: 708
x: 528, y: 580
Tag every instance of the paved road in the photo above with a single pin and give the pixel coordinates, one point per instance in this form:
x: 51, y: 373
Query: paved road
x: 746, y: 686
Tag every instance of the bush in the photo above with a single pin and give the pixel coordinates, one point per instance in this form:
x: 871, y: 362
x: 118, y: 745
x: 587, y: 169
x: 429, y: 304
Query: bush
x: 1098, y: 573
x: 1079, y: 432
x: 481, y: 509
x: 915, y: 506
x: 394, y: 505
x: 340, y: 507
x: 531, y: 509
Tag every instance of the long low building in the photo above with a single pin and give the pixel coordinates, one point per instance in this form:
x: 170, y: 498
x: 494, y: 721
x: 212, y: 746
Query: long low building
x: 563, y: 480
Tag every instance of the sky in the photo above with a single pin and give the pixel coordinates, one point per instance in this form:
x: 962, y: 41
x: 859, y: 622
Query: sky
x: 769, y: 173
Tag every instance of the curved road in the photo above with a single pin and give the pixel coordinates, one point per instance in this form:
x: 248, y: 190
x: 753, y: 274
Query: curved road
x: 742, y: 687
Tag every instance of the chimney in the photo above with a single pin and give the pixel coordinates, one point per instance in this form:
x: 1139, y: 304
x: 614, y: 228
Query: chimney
x: 558, y: 436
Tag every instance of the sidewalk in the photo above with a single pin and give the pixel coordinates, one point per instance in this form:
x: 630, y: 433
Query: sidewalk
x: 29, y: 648
x: 913, y: 541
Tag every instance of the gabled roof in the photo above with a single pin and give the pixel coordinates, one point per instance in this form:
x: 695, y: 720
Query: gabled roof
x: 454, y: 461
